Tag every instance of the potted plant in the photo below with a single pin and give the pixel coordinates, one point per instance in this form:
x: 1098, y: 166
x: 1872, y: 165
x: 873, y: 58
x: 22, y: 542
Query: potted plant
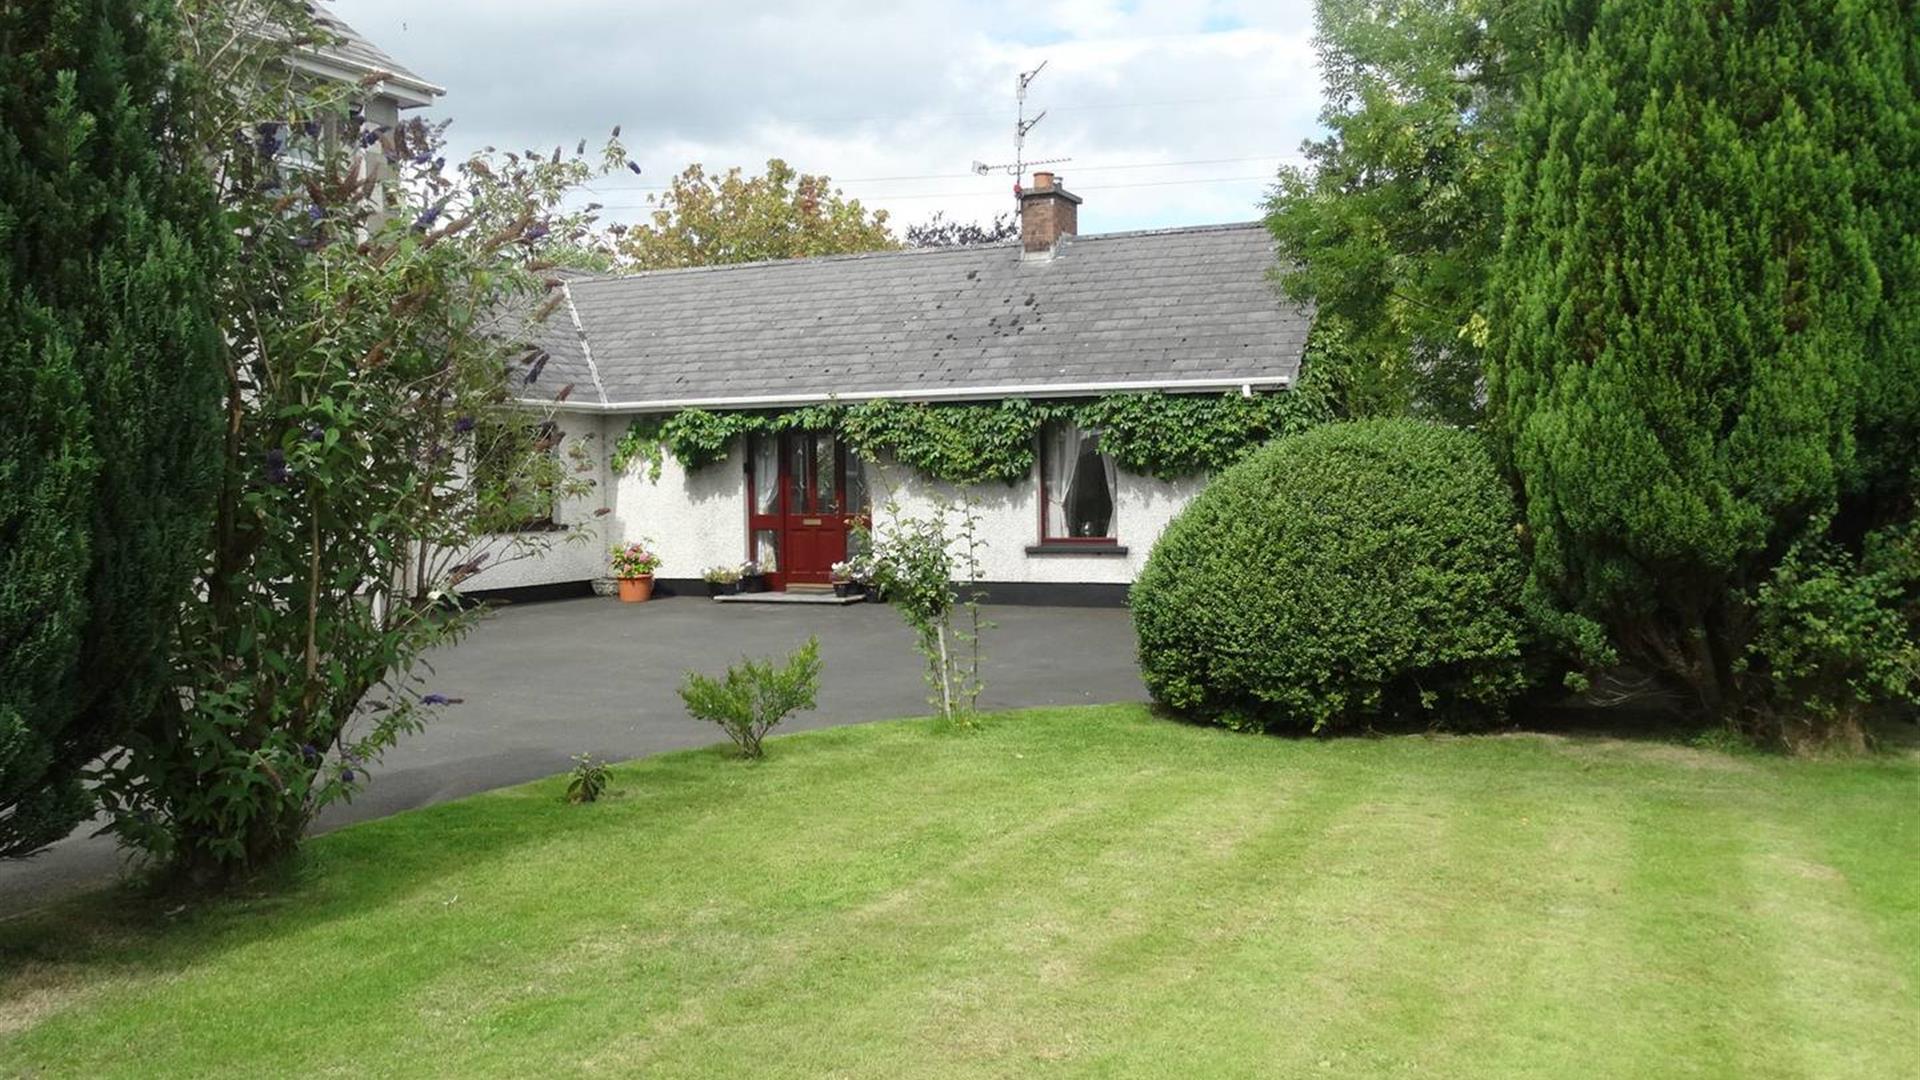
x: 634, y: 565
x: 753, y: 578
x: 841, y: 574
x: 721, y: 580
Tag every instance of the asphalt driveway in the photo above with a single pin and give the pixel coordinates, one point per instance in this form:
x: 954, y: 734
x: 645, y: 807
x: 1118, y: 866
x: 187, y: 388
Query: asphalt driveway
x: 540, y: 683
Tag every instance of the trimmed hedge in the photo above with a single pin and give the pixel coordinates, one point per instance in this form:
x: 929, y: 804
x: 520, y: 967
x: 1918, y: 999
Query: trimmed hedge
x: 1354, y: 572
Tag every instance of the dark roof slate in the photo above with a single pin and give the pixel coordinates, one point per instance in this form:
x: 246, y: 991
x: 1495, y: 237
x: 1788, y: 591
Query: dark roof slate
x: 354, y: 50
x: 1144, y: 308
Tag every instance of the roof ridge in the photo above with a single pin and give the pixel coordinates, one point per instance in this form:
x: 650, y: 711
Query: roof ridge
x: 896, y: 253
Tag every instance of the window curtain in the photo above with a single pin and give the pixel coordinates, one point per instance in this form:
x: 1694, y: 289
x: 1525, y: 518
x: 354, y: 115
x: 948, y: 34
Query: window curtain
x: 766, y: 474
x: 1060, y: 459
x: 1113, y: 494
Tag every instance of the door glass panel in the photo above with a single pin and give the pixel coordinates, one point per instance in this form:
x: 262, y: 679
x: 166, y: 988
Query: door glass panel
x: 826, y: 482
x: 766, y: 474
x: 766, y: 550
x: 797, y: 476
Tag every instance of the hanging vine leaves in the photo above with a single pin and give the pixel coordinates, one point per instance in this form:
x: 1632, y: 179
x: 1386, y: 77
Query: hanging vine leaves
x: 1151, y: 434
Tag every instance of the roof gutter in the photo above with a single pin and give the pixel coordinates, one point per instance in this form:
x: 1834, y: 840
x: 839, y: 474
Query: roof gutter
x: 1245, y: 386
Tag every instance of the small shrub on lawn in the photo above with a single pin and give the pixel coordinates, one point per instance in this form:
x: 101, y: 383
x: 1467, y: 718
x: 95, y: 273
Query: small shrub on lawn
x: 755, y: 696
x: 588, y: 781
x: 1348, y: 573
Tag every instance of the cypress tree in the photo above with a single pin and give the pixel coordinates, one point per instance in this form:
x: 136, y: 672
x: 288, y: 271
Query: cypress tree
x: 1693, y: 287
x: 110, y: 381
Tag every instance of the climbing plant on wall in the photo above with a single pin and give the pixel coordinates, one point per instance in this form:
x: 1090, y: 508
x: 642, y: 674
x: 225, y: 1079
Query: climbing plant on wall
x: 1152, y: 434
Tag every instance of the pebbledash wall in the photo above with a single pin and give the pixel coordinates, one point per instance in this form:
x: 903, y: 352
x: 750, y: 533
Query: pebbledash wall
x: 697, y: 520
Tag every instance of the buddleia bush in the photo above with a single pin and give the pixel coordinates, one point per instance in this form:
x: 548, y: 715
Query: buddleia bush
x: 1353, y: 573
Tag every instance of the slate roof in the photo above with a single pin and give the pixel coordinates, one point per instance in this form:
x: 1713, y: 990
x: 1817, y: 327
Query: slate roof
x: 354, y: 52
x: 1169, y: 309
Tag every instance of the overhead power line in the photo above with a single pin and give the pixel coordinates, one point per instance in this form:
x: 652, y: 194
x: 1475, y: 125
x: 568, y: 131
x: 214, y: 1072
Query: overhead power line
x: 1079, y: 169
x: 978, y: 192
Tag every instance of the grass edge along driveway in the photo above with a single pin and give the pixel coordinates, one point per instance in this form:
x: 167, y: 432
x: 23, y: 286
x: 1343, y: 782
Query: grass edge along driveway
x: 1085, y: 891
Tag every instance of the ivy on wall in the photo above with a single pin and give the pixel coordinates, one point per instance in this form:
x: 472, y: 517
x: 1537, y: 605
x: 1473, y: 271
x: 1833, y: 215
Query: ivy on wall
x: 1149, y: 434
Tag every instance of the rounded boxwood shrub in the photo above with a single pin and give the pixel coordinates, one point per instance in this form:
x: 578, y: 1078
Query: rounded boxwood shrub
x: 1350, y: 573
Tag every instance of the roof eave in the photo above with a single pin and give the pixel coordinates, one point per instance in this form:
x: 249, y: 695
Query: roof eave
x: 958, y: 393
x: 408, y: 92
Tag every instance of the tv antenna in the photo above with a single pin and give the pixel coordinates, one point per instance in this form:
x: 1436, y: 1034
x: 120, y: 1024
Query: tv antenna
x: 1021, y: 125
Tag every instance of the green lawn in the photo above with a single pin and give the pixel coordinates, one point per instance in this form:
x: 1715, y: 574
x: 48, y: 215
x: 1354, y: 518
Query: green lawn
x: 1068, y: 892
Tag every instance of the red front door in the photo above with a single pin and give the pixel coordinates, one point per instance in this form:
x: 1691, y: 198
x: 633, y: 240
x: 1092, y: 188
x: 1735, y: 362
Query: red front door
x: 818, y: 502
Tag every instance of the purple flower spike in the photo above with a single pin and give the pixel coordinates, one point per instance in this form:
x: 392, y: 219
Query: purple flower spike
x: 463, y: 425
x: 315, y: 212
x: 316, y: 434
x: 536, y: 231
x: 435, y: 699
x: 427, y: 218
x: 346, y: 776
x: 276, y: 466
x: 635, y: 166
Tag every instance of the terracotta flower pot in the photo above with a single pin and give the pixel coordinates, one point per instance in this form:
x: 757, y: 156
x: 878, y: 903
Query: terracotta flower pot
x: 636, y: 590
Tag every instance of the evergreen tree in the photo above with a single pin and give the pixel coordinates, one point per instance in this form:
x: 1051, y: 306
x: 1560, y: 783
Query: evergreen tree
x: 1692, y: 297
x: 110, y: 379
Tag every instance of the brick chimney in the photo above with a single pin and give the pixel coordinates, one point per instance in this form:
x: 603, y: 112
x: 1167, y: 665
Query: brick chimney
x: 1047, y: 213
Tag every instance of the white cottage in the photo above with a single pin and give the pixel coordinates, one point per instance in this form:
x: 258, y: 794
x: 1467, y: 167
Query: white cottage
x: 1052, y: 316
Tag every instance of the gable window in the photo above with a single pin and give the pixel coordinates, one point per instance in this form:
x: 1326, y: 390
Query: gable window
x: 1077, y: 486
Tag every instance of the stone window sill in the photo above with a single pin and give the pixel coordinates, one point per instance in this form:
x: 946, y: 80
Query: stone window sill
x: 1108, y: 550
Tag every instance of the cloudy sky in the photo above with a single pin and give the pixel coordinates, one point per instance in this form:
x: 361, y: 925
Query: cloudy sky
x: 1174, y: 112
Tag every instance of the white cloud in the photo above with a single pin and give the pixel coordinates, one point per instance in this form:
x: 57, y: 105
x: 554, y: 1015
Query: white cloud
x: 870, y: 93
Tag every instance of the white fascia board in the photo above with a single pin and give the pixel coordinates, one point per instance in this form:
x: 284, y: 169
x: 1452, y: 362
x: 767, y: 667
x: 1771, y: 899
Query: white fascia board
x: 409, y: 93
x: 957, y: 393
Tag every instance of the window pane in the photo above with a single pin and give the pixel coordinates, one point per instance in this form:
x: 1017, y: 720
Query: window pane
x: 797, y: 475
x: 766, y: 550
x: 856, y: 484
x: 1089, y: 501
x: 766, y: 474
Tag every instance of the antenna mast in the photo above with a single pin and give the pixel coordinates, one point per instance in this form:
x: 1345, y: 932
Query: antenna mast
x: 1021, y: 125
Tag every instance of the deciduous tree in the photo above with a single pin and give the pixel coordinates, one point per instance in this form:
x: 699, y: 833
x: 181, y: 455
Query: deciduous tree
x: 380, y: 353
x: 1391, y: 225
x: 705, y: 220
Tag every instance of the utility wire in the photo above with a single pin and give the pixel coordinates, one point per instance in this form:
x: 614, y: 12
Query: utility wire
x: 967, y: 175
x: 970, y: 194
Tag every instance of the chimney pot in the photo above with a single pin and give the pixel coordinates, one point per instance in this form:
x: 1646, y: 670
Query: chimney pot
x: 1042, y: 180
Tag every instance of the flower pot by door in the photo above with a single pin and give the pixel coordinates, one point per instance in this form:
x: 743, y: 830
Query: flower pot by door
x: 636, y: 590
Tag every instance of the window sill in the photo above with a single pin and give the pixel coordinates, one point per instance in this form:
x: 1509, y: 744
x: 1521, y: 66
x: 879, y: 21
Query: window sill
x: 1057, y: 548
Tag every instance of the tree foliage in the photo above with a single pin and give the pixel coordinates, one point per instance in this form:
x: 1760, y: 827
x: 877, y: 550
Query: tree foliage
x: 704, y: 220
x: 1391, y: 225
x: 938, y: 232
x: 1708, y: 305
x: 1360, y: 571
x: 375, y: 325
x: 109, y: 372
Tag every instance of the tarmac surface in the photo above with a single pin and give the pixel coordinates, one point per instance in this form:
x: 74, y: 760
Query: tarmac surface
x: 542, y: 682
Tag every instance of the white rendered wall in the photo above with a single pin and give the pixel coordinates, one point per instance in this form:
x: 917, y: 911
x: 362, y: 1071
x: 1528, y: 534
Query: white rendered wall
x: 1010, y: 522
x: 694, y: 521
x: 579, y: 551
x: 691, y: 520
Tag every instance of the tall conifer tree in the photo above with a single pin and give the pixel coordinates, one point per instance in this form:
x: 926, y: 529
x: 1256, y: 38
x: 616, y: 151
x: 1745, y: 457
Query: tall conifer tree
x: 109, y: 389
x: 1693, y: 308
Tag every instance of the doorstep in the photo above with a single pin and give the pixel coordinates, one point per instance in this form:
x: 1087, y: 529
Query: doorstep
x: 788, y: 598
